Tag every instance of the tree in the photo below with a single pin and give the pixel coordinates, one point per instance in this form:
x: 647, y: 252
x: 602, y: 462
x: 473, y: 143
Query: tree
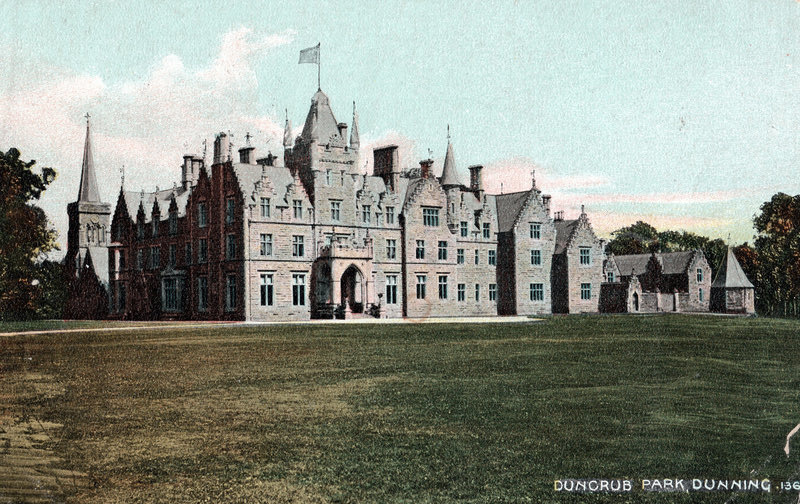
x: 638, y: 238
x: 25, y: 234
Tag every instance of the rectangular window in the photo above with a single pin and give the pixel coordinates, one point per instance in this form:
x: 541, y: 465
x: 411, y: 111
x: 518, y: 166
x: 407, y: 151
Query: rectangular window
x: 202, y: 250
x: 297, y: 208
x: 391, y: 249
x: 202, y: 293
x: 492, y: 292
x: 140, y: 230
x: 493, y: 258
x: 155, y: 257
x: 230, y: 292
x: 536, y: 257
x: 536, y: 231
x: 230, y: 210
x: 477, y: 256
x: 462, y: 292
x: 170, y: 294
x: 122, y: 260
x: 460, y: 256
x: 173, y: 223
x: 420, y: 249
x: 139, y: 259
x: 442, y: 286
x: 389, y: 215
x: 202, y: 215
x: 421, y: 286
x: 365, y: 213
x: 486, y: 230
x: 391, y: 289
x: 155, y: 226
x: 586, y: 291
x: 477, y: 292
x: 430, y: 216
x: 230, y: 247
x: 327, y: 177
x: 537, y: 292
x: 610, y: 276
x: 700, y: 294
x: 173, y: 255
x: 187, y: 256
x: 699, y: 275
x: 267, y: 289
x: 336, y: 211
x: 442, y: 250
x: 298, y: 289
x: 121, y: 297
x: 464, y: 229
x: 297, y: 246
x: 266, y: 244
x: 265, y: 209
x: 586, y: 256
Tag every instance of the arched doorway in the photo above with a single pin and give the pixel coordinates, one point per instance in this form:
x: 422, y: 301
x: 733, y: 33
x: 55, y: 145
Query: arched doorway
x: 352, y: 289
x: 636, y: 301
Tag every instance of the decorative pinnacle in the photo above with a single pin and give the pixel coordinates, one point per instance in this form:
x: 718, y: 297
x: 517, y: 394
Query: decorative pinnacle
x: 247, y: 138
x: 87, y: 116
x: 448, y: 133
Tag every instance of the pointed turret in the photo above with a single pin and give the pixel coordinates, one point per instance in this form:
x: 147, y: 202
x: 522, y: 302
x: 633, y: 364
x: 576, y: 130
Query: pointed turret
x: 87, y: 191
x: 287, y: 133
x: 730, y: 274
x: 449, y: 177
x: 355, y: 142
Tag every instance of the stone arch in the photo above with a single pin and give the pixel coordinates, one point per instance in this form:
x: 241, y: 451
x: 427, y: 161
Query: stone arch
x: 353, y: 287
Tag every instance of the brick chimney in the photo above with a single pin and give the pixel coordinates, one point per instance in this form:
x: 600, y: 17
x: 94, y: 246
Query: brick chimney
x: 247, y: 155
x: 386, y: 165
x: 425, y: 167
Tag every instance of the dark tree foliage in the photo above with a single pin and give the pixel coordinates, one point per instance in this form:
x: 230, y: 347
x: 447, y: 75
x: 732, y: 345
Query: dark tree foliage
x: 777, y: 251
x: 638, y: 238
x: 25, y: 235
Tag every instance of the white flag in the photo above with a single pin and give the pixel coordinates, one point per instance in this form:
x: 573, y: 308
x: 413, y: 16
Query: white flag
x: 310, y: 55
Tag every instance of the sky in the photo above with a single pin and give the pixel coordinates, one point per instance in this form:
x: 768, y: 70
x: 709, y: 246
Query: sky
x: 681, y: 114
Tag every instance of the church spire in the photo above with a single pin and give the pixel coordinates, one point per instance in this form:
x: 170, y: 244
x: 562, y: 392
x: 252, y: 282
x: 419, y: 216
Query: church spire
x: 88, y: 188
x: 355, y: 142
x: 287, y: 132
x: 449, y: 176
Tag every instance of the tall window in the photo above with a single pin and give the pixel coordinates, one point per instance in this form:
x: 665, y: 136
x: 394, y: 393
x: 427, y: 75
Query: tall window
x: 140, y: 259
x: 230, y: 210
x: 202, y: 250
x: 389, y: 215
x: 460, y: 256
x: 365, y: 213
x: 336, y: 211
x: 477, y: 292
x: 267, y: 288
x: 155, y: 225
x: 586, y: 256
x: 297, y: 208
x: 266, y: 244
x: 230, y: 292
x: 297, y: 246
x: 121, y: 297
x: 122, y: 260
x: 430, y: 216
x: 477, y: 256
x: 699, y: 274
x: 586, y: 291
x: 202, y: 293
x: 187, y: 256
x: 391, y: 289
x: 202, y: 215
x: 442, y: 250
x: 492, y: 292
x: 420, y: 249
x: 537, y: 292
x: 173, y: 255
x: 442, y: 286
x: 492, y: 257
x: 462, y: 291
x: 536, y: 257
x: 464, y: 228
x: 536, y: 231
x: 171, y: 294
x: 700, y: 294
x: 391, y: 249
x: 327, y: 177
x: 173, y: 223
x: 265, y: 209
x: 421, y: 279
x: 140, y: 230
x: 486, y: 230
x: 155, y: 257
x: 230, y: 246
x: 298, y: 289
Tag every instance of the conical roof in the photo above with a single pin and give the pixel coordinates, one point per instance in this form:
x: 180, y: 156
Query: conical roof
x: 88, y: 188
x: 449, y: 177
x: 730, y: 274
x: 320, y: 123
x: 355, y: 142
x: 287, y: 134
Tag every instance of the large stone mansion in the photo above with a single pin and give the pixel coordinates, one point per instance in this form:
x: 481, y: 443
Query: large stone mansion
x: 310, y: 236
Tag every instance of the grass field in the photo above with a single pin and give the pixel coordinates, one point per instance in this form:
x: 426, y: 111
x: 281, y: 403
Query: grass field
x: 400, y: 413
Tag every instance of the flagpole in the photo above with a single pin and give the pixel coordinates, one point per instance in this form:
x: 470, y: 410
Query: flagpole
x: 319, y: 64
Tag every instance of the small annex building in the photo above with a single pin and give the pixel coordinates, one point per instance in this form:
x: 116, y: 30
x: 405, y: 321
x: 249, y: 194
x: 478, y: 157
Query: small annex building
x: 732, y: 291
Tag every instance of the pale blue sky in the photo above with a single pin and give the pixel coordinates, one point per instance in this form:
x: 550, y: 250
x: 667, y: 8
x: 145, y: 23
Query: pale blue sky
x: 681, y: 113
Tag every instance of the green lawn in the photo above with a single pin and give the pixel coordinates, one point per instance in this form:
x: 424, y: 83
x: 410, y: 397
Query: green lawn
x: 427, y: 413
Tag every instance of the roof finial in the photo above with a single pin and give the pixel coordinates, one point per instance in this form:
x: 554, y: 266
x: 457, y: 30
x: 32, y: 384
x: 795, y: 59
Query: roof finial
x: 501, y: 188
x: 583, y: 210
x: 533, y: 179
x: 87, y: 116
x: 448, y: 133
x: 247, y: 138
x: 122, y: 181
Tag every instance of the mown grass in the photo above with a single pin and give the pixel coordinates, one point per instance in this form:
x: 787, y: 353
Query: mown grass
x: 429, y: 413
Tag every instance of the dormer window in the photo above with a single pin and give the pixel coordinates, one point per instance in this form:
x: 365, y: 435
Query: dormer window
x: 486, y: 230
x: 297, y: 206
x: 699, y: 274
x: 173, y: 223
x: 155, y: 226
x: 365, y: 213
x: 586, y: 256
x: 430, y: 217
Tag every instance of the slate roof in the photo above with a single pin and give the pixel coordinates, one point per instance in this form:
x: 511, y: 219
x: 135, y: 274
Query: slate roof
x: 320, y: 122
x: 564, y: 230
x: 730, y: 274
x: 508, y: 208
x: 99, y: 261
x: 148, y: 200
x: 87, y: 191
x: 672, y: 263
x: 449, y: 175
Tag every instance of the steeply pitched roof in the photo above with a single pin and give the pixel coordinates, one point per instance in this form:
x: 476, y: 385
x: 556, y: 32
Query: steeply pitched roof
x: 98, y: 261
x: 564, y: 230
x: 672, y: 263
x: 320, y: 123
x: 508, y: 208
x: 730, y: 273
x: 355, y: 141
x: 87, y: 191
x: 449, y: 176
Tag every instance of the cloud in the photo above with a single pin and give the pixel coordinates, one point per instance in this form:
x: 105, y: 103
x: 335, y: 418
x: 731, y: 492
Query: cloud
x: 515, y: 175
x: 146, y: 123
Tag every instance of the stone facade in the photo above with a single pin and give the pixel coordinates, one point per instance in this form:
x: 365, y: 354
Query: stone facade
x: 577, y: 267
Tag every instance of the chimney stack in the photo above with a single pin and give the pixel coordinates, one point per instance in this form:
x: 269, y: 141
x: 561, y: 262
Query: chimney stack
x: 559, y: 216
x: 187, y: 171
x: 247, y: 155
x: 425, y: 167
x: 476, y: 180
x: 221, y: 147
x: 546, y: 203
x: 386, y: 164
x: 343, y: 131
